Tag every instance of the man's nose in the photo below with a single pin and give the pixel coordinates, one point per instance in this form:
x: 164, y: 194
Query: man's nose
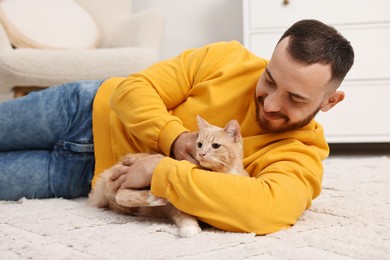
x: 272, y: 103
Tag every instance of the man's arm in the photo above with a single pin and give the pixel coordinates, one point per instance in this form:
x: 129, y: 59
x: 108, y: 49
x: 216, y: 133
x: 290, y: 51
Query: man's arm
x: 161, y: 102
x: 141, y: 171
x: 273, y: 198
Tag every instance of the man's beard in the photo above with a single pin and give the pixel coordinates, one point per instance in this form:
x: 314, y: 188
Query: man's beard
x: 265, y: 125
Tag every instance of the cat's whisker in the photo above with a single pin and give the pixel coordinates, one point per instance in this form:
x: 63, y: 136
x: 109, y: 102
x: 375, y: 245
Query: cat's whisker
x: 217, y: 160
x: 221, y: 162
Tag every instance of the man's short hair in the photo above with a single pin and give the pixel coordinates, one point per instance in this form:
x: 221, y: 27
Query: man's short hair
x: 311, y: 41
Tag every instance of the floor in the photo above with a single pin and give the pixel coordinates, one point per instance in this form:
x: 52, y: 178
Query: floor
x: 349, y: 220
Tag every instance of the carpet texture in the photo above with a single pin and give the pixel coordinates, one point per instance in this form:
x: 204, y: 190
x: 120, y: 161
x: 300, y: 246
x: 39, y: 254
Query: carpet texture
x: 350, y: 220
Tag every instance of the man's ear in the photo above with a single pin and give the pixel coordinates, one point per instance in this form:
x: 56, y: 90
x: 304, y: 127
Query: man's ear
x: 331, y: 101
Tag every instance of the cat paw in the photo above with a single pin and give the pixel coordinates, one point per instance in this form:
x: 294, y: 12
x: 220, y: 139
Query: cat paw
x: 156, y: 201
x: 189, y: 231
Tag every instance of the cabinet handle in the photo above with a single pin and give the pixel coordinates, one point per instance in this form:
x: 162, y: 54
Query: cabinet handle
x: 286, y: 2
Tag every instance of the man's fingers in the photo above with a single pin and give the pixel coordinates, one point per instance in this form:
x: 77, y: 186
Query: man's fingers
x: 119, y: 171
x: 129, y: 160
x: 191, y: 159
x: 118, y: 182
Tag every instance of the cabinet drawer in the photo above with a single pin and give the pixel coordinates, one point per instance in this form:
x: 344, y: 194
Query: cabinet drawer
x: 273, y: 14
x: 362, y: 117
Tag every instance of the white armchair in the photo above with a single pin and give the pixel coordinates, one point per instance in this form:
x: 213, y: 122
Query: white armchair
x: 129, y: 42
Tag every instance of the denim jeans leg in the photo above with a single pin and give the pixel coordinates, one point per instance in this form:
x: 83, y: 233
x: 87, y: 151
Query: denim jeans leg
x: 24, y: 174
x: 46, y: 143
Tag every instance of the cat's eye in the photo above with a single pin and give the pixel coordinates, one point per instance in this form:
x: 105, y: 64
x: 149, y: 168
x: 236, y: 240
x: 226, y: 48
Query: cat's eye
x: 215, y: 145
x: 199, y: 144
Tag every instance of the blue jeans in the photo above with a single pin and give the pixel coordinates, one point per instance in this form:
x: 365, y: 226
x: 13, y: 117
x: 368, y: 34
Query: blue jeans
x: 46, y: 143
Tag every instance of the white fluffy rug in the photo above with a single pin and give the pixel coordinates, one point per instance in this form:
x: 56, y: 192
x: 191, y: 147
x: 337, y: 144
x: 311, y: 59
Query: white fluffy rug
x: 350, y: 220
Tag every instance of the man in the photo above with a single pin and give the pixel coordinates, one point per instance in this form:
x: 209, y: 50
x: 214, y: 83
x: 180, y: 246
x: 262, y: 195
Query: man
x: 48, y: 148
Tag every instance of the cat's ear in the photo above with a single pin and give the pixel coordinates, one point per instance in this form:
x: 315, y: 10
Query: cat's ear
x: 201, y: 122
x: 232, y: 128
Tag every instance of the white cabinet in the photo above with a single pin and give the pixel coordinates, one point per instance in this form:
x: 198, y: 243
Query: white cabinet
x: 364, y: 115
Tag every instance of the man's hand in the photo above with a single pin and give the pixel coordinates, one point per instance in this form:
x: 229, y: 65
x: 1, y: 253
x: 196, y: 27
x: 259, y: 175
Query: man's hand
x: 184, y: 147
x: 136, y: 172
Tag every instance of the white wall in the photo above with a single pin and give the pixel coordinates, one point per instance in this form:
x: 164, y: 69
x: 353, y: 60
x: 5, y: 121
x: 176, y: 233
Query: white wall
x: 190, y: 24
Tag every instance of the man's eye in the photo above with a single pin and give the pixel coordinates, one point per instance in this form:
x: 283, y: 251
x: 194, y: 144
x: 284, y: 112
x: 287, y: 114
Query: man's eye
x: 268, y: 81
x: 199, y: 145
x: 296, y: 100
x: 293, y: 99
x: 215, y: 145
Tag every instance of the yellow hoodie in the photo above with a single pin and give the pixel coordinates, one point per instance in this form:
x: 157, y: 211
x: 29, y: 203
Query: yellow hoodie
x: 145, y: 112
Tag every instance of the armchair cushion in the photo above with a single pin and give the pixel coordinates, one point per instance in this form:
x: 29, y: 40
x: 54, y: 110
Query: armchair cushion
x: 31, y: 67
x: 36, y: 23
x: 129, y: 42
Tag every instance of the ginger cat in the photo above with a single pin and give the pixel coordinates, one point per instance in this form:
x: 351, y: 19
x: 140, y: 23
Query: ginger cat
x: 217, y: 149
